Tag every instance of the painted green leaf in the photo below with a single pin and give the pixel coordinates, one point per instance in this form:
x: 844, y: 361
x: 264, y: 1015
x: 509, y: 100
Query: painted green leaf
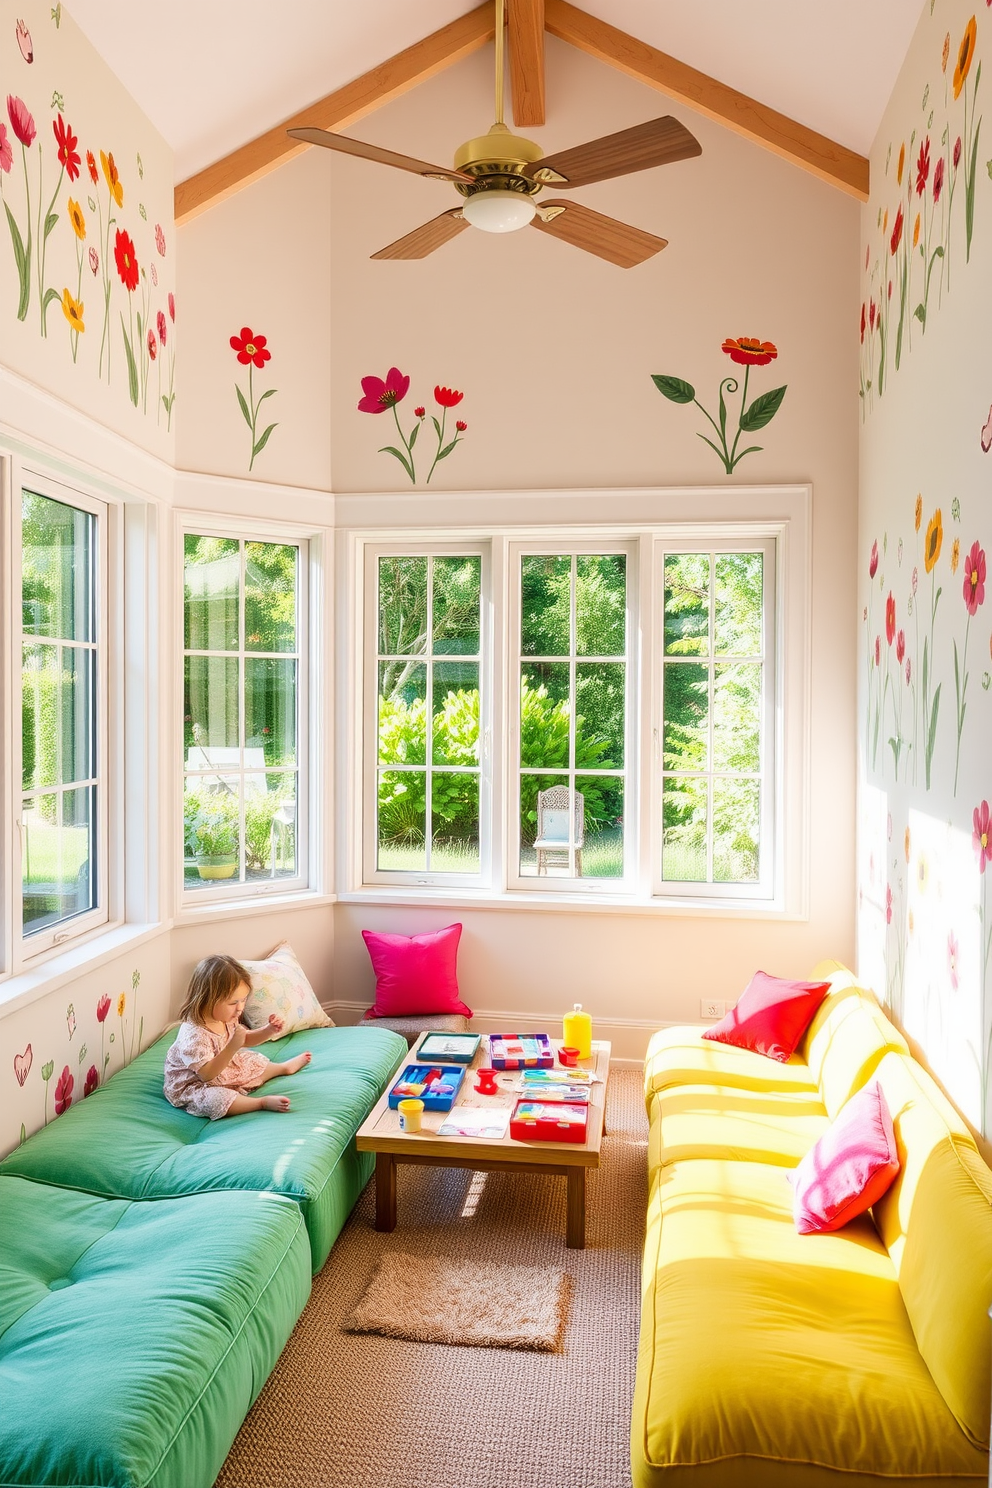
x: 969, y: 189
x: 390, y: 449
x: 413, y: 435
x: 257, y: 448
x: 921, y: 314
x: 244, y: 405
x: 132, y: 368
x: 443, y: 454
x: 82, y: 1054
x: 91, y: 204
x: 762, y: 410
x: 675, y: 389
x: 269, y: 392
x: 22, y: 258
x: 437, y: 429
x: 51, y: 222
x: 47, y: 1070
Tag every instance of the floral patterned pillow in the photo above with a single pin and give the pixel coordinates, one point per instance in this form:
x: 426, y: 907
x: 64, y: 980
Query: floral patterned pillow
x: 279, y: 985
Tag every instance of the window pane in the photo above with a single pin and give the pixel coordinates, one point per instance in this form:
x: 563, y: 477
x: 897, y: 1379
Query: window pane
x: 270, y: 826
x: 402, y: 820
x: 457, y: 590
x: 735, y: 831
x: 530, y: 788
x: 599, y: 715
x: 456, y: 713
x: 686, y: 745
x: 210, y: 716
x: 737, y: 604
x: 57, y: 569
x: 545, y: 608
x: 402, y: 606
x: 211, y: 830
x: 685, y: 822
x: 402, y: 713
x: 270, y: 596
x: 737, y: 716
x: 454, y: 823
x: 601, y: 604
x: 270, y: 712
x: 545, y: 714
x: 601, y: 853
x: 212, y: 575
x: 58, y: 865
x: 58, y: 692
x: 687, y: 604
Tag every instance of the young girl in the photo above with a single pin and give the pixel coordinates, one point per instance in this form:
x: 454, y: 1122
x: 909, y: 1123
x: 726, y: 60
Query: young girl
x: 211, y: 1065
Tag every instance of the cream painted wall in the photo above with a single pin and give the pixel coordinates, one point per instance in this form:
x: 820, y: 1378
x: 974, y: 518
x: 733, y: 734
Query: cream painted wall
x: 252, y: 937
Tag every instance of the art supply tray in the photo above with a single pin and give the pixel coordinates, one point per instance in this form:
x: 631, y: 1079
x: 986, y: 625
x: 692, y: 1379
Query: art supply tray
x: 449, y: 1075
x: 548, y: 1121
x: 510, y: 1051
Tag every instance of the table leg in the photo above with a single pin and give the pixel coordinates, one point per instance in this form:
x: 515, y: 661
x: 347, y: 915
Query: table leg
x: 575, y: 1224
x: 385, y: 1192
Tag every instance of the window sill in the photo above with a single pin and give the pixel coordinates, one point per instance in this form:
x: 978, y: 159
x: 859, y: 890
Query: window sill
x: 64, y: 966
x: 237, y: 909
x: 582, y: 902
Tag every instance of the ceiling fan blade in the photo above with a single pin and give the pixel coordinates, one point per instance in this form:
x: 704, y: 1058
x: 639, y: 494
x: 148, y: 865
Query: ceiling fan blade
x: 616, y: 241
x: 373, y: 152
x: 658, y: 142
x: 425, y: 239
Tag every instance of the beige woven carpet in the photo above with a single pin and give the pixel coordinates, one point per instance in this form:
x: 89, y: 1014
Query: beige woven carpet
x: 430, y: 1299
x: 346, y: 1410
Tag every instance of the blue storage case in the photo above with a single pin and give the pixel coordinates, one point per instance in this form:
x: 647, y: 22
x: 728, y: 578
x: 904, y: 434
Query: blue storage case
x: 451, y: 1075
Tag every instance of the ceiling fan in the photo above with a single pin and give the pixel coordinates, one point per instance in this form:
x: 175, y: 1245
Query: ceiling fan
x: 500, y: 175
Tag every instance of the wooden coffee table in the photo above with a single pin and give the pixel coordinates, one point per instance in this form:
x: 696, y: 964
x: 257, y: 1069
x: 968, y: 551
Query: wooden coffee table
x: 381, y: 1134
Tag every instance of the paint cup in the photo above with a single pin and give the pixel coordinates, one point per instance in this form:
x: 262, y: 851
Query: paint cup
x: 568, y: 1056
x: 411, y: 1115
x: 486, y: 1082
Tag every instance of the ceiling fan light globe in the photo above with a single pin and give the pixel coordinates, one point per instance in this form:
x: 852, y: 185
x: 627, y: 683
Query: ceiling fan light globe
x: 499, y: 211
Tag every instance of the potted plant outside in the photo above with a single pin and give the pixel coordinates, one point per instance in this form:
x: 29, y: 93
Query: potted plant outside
x: 215, y: 835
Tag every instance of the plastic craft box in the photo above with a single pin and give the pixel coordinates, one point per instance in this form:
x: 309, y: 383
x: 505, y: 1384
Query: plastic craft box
x: 415, y: 1074
x: 548, y: 1121
x: 510, y: 1051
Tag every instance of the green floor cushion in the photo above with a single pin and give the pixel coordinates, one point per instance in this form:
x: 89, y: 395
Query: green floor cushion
x: 134, y: 1336
x: 127, y: 1141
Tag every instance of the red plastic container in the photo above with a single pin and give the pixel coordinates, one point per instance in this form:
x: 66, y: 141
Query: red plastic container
x: 549, y: 1121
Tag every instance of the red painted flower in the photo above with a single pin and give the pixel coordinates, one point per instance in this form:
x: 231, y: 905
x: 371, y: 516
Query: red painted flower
x: 172, y: 307
x: 102, y: 1009
x: 447, y: 397
x: 460, y: 426
x: 749, y: 352
x: 250, y: 348
x: 878, y: 650
x: 94, y: 260
x: 420, y: 413
x: 63, y: 1091
x: 974, y: 578
x: 957, y: 152
x: 864, y: 318
x: 873, y: 560
x: 65, y: 139
x: 126, y: 260
x: 91, y: 167
x: 162, y: 325
x: 152, y: 344
x: 20, y: 118
x: 381, y: 395
x: 896, y: 237
x: 872, y: 315
x: 981, y: 836
x: 938, y: 180
x: 890, y: 618
x: 91, y: 1082
x: 160, y: 239
x: 923, y: 167
x: 6, y: 153
x: 900, y: 646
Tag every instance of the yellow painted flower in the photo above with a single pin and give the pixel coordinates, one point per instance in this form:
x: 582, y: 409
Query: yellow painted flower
x: 120, y: 1005
x: 966, y: 53
x: 908, y: 844
x: 77, y: 219
x: 912, y: 922
x: 885, y: 221
x: 73, y: 311
x: 902, y: 163
x: 935, y: 538
x: 916, y: 230
x: 955, y: 555
x: 112, y: 178
x: 919, y: 512
x: 946, y: 52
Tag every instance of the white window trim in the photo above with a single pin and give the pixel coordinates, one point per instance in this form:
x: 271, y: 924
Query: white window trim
x: 194, y: 903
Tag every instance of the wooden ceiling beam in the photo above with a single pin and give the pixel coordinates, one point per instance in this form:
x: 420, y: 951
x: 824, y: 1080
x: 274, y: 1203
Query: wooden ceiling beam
x: 337, y: 111
x: 785, y: 137
x: 525, y: 37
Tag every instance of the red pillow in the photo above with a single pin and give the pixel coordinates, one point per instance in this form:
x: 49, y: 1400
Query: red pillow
x: 415, y: 973
x: 771, y: 1016
x: 851, y: 1166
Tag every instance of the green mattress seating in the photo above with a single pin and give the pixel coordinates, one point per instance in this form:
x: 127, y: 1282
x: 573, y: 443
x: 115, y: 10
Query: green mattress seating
x: 127, y: 1142
x: 134, y: 1336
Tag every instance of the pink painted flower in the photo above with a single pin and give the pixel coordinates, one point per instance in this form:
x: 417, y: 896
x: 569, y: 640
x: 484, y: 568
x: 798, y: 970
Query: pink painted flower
x: 981, y: 837
x: 952, y: 959
x: 974, y: 578
x: 24, y: 41
x: 957, y: 152
x: 909, y: 671
x: 63, y: 1091
x: 381, y: 395
x: 890, y: 618
x: 873, y: 560
x: 6, y: 153
x: 152, y: 344
x: 162, y: 325
x: 878, y: 651
x: 94, y: 260
x: 91, y: 1082
x: 249, y: 347
x: 900, y: 646
x: 172, y: 307
x: 938, y: 179
x: 888, y: 904
x: 863, y: 322
x: 153, y: 271
x: 21, y: 121
x: 160, y: 239
x: 102, y: 1009
x: 916, y: 579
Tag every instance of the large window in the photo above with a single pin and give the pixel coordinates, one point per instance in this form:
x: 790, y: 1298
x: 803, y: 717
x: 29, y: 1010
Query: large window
x: 244, y: 819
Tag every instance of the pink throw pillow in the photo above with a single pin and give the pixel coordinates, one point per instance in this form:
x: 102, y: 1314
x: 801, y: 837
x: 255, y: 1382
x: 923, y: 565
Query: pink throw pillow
x: 415, y: 974
x: 851, y: 1166
x: 771, y: 1016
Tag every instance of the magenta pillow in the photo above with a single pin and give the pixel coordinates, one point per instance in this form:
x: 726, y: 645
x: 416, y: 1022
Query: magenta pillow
x: 851, y: 1166
x: 415, y: 974
x: 771, y: 1016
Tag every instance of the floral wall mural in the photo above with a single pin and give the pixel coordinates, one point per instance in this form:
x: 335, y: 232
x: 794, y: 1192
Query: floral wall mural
x: 378, y: 395
x: 87, y: 287
x: 926, y: 530
x: 746, y: 352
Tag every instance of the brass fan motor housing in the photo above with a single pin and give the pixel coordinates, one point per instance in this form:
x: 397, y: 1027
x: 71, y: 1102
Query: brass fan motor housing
x: 497, y: 160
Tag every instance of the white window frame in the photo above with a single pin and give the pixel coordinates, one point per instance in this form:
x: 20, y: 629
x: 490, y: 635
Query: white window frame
x: 369, y: 753
x: 247, y: 531
x: 23, y: 951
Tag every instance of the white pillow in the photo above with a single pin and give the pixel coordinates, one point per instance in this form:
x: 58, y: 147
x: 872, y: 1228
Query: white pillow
x: 279, y: 985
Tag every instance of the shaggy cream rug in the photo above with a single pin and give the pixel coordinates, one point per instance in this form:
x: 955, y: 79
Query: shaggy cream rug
x: 433, y: 1300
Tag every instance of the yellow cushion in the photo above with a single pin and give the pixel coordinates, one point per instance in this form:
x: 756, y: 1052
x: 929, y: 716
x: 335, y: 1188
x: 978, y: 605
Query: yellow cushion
x: 773, y: 1126
x: 770, y: 1358
x: 846, y: 1040
x: 936, y: 1222
x: 681, y: 1056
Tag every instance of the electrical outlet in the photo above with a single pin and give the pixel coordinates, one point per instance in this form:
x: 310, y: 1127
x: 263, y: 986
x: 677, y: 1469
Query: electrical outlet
x: 712, y: 1009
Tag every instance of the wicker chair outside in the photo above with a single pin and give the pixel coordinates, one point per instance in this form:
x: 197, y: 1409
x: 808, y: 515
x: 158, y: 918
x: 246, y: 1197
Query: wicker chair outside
x: 557, y: 809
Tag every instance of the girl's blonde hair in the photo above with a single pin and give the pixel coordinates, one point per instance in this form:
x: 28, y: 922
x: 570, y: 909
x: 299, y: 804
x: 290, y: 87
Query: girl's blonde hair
x: 213, y: 979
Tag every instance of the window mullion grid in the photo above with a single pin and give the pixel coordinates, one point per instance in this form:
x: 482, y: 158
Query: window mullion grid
x: 573, y: 642
x: 711, y: 703
x: 242, y: 690
x: 429, y: 717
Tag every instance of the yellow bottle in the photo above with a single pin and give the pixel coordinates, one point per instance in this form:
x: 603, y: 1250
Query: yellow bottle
x: 576, y: 1031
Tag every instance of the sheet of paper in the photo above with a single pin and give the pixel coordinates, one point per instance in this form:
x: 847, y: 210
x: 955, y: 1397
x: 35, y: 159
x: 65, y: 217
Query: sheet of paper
x: 475, y: 1121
